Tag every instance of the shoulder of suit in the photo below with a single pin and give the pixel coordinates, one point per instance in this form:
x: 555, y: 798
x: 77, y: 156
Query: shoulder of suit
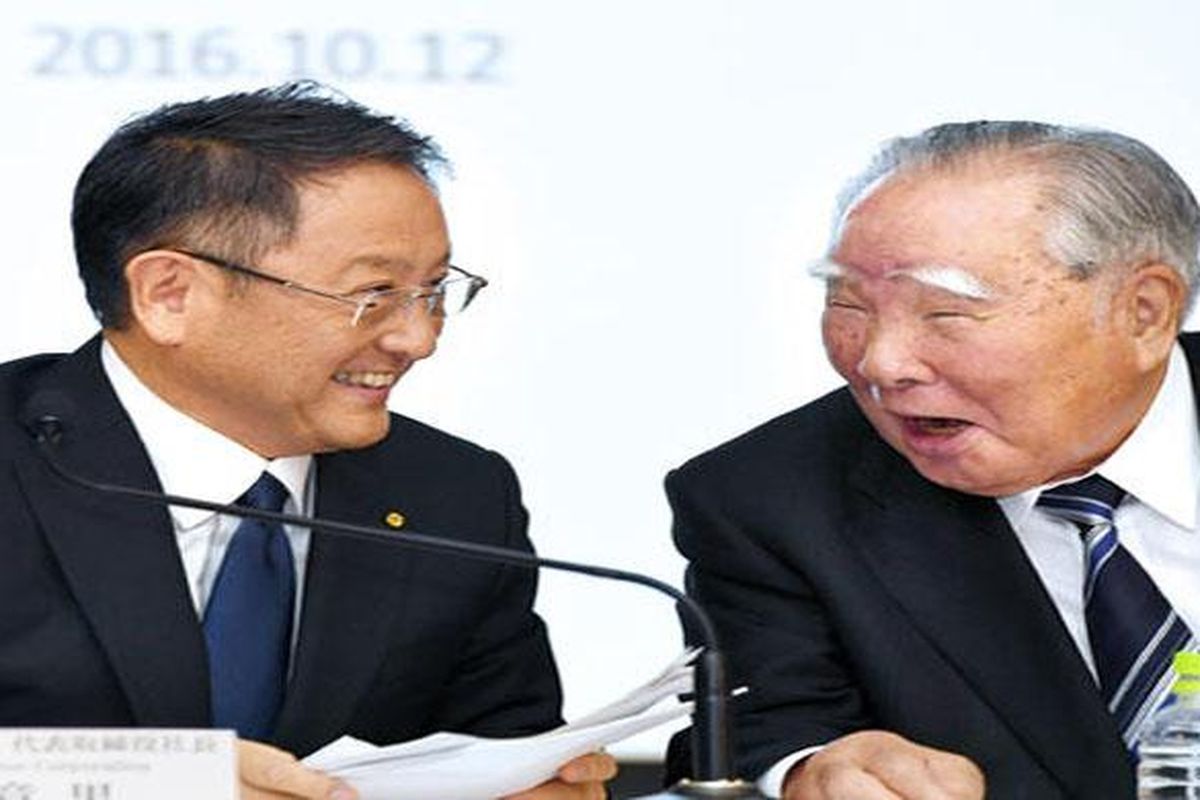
x: 816, y: 436
x: 410, y: 438
x: 407, y: 429
x: 18, y: 374
x: 18, y: 378
x: 1191, y: 345
x: 414, y: 452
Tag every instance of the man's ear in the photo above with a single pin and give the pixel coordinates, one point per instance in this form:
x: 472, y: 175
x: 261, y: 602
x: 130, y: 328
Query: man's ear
x: 162, y: 288
x: 1153, y: 298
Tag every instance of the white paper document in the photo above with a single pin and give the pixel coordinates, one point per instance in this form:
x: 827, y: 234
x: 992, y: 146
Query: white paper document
x: 453, y: 766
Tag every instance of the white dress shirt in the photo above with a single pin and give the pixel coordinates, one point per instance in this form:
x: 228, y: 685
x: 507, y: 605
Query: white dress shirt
x: 194, y: 460
x: 1159, y: 468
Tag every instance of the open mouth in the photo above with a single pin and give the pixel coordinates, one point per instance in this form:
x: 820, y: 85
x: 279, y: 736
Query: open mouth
x: 935, y: 426
x: 366, y: 380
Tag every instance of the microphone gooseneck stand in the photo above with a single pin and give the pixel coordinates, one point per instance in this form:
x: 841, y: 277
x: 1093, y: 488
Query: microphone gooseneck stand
x: 711, y: 762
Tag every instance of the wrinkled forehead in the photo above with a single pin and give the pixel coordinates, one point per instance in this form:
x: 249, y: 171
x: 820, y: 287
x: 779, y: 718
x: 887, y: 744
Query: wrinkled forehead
x: 982, y: 223
x: 949, y: 278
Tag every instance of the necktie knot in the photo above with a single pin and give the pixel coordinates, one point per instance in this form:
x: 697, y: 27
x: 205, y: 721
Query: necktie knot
x: 265, y: 494
x: 1088, y: 502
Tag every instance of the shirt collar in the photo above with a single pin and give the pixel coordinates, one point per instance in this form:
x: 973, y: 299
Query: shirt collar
x: 1159, y: 463
x: 192, y: 459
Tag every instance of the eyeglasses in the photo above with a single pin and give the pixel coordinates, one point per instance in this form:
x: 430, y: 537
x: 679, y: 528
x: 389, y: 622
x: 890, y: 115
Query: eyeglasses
x: 450, y: 295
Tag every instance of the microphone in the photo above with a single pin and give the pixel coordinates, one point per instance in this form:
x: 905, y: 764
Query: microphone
x: 47, y: 416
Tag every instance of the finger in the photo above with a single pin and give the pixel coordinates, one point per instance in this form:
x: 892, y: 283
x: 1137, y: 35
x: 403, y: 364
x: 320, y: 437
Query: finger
x: 839, y: 782
x: 928, y: 774
x: 561, y: 790
x: 587, y: 768
x: 268, y: 772
x: 959, y: 777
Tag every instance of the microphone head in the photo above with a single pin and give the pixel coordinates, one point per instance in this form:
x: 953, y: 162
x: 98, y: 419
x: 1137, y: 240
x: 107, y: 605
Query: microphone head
x: 46, y: 414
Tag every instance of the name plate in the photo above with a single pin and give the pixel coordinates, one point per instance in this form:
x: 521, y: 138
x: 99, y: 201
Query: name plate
x: 117, y: 764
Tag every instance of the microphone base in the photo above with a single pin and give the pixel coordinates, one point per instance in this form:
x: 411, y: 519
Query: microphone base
x: 724, y: 790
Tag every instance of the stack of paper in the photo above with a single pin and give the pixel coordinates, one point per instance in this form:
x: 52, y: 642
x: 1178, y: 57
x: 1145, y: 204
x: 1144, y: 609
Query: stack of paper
x: 453, y: 766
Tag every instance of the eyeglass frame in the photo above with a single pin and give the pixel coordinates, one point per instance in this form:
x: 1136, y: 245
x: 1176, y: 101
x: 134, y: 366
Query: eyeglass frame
x: 362, y: 301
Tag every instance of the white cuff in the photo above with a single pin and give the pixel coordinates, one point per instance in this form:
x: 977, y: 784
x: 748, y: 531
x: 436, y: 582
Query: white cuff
x: 770, y: 782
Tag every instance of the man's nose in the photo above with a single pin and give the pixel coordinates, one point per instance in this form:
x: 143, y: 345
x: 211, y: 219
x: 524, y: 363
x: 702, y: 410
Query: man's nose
x: 893, y: 357
x: 412, y: 334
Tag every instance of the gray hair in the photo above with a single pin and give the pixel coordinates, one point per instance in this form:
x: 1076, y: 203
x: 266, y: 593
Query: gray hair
x: 1113, y: 200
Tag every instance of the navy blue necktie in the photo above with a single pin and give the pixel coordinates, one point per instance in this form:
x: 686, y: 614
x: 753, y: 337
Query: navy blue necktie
x: 248, y: 621
x: 1132, y: 628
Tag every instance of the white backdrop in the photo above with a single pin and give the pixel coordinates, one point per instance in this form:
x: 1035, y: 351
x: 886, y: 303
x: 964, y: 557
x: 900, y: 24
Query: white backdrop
x: 644, y: 182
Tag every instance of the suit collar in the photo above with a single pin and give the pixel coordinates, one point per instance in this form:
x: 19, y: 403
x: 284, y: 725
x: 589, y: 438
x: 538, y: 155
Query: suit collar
x: 1191, y: 349
x: 956, y: 568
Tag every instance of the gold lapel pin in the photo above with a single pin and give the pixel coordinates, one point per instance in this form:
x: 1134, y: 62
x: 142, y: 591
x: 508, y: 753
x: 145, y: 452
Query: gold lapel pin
x: 394, y: 519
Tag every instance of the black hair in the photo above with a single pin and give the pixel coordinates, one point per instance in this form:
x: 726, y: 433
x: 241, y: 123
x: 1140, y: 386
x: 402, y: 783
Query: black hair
x: 221, y: 172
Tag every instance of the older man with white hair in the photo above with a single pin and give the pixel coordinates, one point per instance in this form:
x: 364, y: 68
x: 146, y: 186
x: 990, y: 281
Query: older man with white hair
x: 972, y: 565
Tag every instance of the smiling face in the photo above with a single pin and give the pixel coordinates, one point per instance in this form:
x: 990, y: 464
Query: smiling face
x: 282, y: 371
x: 988, y: 365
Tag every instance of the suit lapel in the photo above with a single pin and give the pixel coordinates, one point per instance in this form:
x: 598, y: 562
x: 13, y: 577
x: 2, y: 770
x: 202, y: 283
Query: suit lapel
x: 353, y: 592
x: 955, y: 566
x: 119, y: 557
x: 1191, y: 349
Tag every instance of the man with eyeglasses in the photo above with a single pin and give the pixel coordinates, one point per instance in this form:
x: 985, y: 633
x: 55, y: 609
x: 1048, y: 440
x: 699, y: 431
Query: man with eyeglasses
x: 265, y: 267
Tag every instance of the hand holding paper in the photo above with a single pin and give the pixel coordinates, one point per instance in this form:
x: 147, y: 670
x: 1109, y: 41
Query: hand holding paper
x: 267, y: 773
x: 452, y: 766
x: 581, y: 778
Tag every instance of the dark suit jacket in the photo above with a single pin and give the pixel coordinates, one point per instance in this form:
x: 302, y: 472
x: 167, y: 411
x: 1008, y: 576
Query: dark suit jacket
x: 97, y: 626
x: 852, y: 593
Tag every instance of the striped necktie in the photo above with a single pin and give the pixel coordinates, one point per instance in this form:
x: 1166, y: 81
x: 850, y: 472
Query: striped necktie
x: 248, y: 620
x: 1132, y: 628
